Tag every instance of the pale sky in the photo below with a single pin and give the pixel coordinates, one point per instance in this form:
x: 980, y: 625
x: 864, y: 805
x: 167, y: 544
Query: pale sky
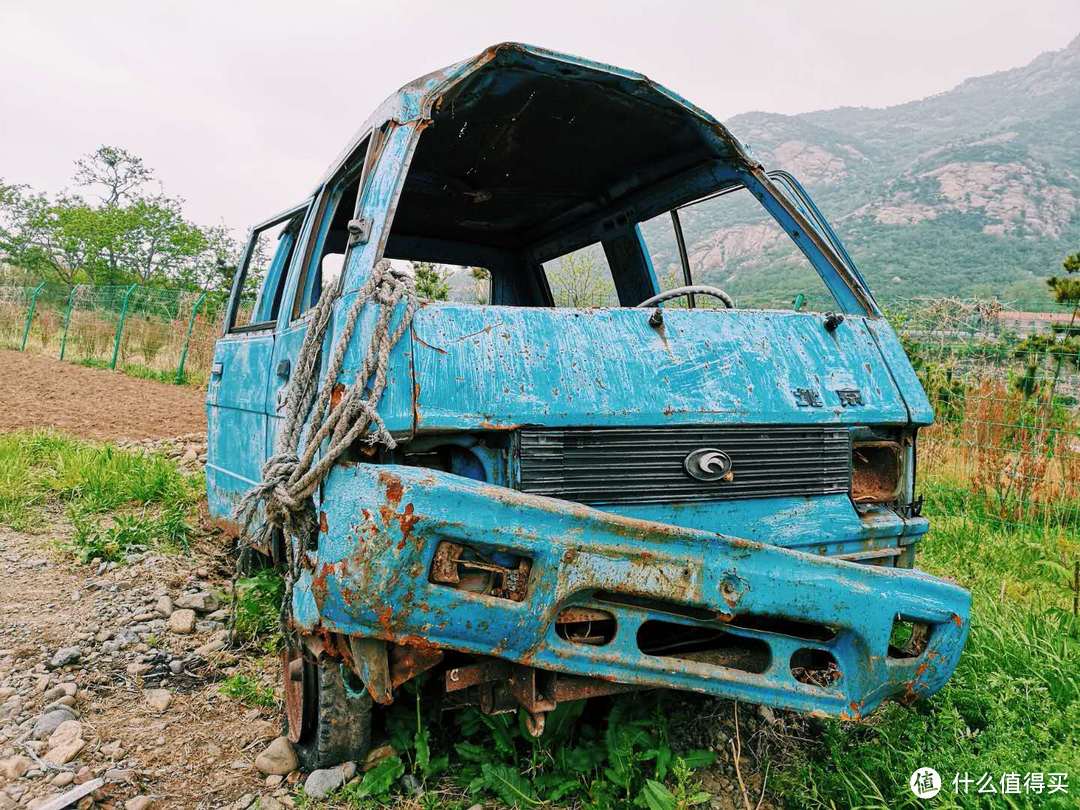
x: 241, y: 106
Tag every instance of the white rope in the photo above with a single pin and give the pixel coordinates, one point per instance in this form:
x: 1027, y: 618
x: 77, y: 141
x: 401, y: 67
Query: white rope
x: 283, y: 499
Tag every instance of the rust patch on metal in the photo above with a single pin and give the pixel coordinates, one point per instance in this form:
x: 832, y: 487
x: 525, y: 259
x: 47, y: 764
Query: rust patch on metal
x: 386, y: 616
x: 324, y: 527
x: 407, y: 520
x: 394, y: 488
x: 292, y: 670
x: 875, y: 471
x: 408, y: 661
x: 337, y: 393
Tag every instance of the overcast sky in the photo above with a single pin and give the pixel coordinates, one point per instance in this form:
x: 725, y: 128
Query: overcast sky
x: 240, y: 106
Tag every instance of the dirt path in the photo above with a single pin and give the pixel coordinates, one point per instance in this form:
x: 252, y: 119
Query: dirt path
x: 111, y: 622
x: 38, y: 391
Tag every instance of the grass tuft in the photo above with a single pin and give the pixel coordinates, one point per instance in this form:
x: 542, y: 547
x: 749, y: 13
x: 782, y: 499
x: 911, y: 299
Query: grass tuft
x: 249, y: 691
x: 258, y: 608
x: 1013, y: 705
x: 119, y: 501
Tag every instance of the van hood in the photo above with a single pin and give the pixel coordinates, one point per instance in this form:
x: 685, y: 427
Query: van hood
x: 483, y: 368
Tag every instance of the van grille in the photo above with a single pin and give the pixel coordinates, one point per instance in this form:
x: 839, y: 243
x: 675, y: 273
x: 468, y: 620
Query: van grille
x: 645, y: 465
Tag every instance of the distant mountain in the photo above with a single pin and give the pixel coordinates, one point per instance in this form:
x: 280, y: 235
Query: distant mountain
x: 974, y: 191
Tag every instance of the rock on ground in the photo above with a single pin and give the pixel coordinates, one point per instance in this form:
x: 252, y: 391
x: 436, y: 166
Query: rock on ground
x: 182, y: 621
x: 158, y: 699
x: 278, y: 758
x: 65, y: 656
x: 322, y: 783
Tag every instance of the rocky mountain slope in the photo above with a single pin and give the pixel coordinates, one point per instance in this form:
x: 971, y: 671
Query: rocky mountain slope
x: 974, y: 191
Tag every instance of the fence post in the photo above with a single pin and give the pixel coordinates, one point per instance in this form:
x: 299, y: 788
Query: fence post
x: 30, y: 314
x: 67, y: 319
x: 187, y: 337
x: 120, y: 325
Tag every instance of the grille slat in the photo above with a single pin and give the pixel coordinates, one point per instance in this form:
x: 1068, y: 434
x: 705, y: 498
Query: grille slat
x: 645, y: 465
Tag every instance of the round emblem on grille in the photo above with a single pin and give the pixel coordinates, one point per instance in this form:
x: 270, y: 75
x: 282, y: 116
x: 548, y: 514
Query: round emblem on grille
x: 708, y: 464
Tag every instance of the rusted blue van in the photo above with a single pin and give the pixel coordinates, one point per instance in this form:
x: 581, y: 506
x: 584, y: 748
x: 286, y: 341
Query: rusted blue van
x: 663, y: 437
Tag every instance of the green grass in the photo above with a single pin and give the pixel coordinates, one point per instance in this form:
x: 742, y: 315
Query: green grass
x: 119, y: 501
x: 249, y: 691
x: 1013, y: 705
x: 258, y: 609
x: 619, y: 758
x: 143, y: 372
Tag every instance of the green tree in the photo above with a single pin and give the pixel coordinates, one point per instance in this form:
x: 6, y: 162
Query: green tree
x: 157, y: 241
x: 579, y: 281
x: 431, y: 282
x: 117, y: 171
x: 1062, y: 345
x: 129, y: 236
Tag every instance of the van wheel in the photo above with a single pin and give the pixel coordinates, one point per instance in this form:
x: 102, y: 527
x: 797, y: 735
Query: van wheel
x: 327, y: 710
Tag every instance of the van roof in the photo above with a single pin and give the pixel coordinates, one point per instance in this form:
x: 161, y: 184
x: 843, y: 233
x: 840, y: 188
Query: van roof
x: 490, y: 71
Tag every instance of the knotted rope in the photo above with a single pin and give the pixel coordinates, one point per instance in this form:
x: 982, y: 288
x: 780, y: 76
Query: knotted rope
x: 283, y: 499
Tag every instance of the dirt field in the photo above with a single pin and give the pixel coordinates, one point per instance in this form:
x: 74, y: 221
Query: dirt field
x: 38, y: 391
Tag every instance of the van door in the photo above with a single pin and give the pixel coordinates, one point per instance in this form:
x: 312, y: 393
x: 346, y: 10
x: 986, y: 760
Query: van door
x: 236, y: 395
x: 318, y: 268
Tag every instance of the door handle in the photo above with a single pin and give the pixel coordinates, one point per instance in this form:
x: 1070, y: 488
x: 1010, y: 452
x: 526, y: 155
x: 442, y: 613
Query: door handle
x: 216, y: 369
x: 284, y: 368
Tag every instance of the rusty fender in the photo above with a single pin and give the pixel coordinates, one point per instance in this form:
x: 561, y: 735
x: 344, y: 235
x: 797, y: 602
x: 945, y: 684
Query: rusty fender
x: 371, y: 577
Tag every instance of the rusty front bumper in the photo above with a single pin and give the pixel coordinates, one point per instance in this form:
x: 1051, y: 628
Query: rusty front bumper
x: 762, y: 624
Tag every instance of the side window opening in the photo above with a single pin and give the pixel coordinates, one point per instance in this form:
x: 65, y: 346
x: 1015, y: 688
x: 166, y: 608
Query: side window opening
x: 261, y: 282
x: 324, y: 261
x: 582, y: 278
x: 439, y: 281
x: 733, y: 243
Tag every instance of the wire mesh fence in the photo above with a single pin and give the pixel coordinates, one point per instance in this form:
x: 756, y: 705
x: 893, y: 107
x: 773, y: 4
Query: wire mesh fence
x: 144, y: 331
x: 1005, y: 385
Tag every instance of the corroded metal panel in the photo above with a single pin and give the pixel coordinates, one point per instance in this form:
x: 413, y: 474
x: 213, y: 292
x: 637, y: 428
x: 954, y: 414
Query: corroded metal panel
x: 499, y: 367
x: 371, y: 577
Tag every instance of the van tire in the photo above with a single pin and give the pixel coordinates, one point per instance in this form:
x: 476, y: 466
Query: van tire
x: 337, y: 715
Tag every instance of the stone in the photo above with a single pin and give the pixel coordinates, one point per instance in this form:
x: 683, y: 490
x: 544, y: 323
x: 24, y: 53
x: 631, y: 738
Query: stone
x: 63, y: 779
x: 64, y: 753
x: 15, y: 767
x: 138, y: 803
x: 274, y: 779
x: 12, y: 707
x: 182, y: 622
x: 176, y: 666
x: 47, y: 723
x: 158, y: 699
x: 202, y: 602
x: 83, y: 775
x: 323, y: 782
x: 219, y: 641
x: 65, y: 656
x: 164, y: 606
x: 377, y: 755
x: 277, y: 758
x: 66, y: 732
x: 54, y: 694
